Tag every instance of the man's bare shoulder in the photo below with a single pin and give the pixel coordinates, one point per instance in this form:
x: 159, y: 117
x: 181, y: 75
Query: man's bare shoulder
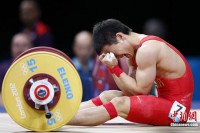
x: 148, y: 52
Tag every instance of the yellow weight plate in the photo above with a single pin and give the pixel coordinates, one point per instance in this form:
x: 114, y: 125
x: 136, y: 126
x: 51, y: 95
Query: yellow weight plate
x: 36, y: 63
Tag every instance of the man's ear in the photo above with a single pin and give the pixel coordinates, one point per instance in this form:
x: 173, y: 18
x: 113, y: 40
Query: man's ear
x: 120, y: 37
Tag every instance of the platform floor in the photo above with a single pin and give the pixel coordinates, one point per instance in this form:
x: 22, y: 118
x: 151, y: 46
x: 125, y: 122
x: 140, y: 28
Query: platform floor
x: 117, y: 125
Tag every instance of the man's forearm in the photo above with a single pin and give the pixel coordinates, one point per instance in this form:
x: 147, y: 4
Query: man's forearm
x: 119, y: 84
x: 126, y: 83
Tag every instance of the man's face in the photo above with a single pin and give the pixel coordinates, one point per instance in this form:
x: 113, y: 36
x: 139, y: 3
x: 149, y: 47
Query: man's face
x: 20, y: 43
x: 120, y: 49
x: 83, y: 47
x: 28, y: 13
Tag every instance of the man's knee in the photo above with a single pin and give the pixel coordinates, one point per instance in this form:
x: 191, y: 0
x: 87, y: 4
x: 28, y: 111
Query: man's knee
x: 104, y: 96
x: 107, y: 96
x: 122, y: 105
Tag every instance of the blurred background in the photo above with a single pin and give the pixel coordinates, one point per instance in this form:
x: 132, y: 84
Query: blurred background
x: 67, y: 25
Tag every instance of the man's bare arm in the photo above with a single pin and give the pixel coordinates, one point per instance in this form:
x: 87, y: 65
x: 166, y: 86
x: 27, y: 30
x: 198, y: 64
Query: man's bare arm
x: 131, y: 73
x: 145, y: 75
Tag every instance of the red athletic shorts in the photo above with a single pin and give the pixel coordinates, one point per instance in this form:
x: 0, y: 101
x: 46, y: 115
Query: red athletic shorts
x: 148, y: 109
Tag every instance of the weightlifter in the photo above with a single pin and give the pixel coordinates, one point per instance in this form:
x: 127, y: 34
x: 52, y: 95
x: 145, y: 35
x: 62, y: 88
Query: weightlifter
x: 150, y: 59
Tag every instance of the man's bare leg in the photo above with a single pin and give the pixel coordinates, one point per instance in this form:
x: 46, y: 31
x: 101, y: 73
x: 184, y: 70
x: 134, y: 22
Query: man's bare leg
x: 105, y: 97
x: 98, y: 115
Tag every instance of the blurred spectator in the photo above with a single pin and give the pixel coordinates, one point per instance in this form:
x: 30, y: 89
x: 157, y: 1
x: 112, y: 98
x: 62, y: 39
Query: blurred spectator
x: 20, y: 43
x: 84, y: 61
x: 38, y: 31
x: 155, y: 26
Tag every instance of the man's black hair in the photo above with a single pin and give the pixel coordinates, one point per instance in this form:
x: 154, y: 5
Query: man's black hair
x: 104, y: 33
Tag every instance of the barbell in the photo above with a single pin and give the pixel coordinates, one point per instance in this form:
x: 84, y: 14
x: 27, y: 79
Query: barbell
x: 42, y: 90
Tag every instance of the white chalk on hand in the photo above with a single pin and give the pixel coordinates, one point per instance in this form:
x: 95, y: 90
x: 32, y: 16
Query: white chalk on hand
x: 112, y: 55
x: 107, y: 57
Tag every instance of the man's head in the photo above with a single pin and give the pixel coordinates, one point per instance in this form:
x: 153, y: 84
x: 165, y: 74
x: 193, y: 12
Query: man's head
x: 111, y: 35
x: 20, y: 43
x: 83, y: 48
x: 29, y: 12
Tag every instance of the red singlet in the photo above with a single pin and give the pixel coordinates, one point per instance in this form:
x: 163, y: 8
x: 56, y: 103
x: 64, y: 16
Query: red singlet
x: 154, y: 110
